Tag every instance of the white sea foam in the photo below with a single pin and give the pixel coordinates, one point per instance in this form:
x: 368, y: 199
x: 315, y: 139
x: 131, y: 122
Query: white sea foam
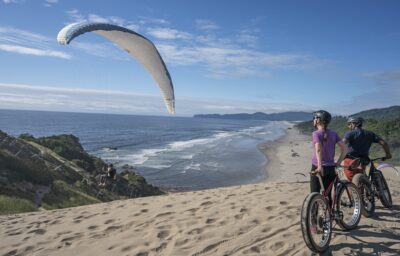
x: 186, y: 149
x: 192, y: 166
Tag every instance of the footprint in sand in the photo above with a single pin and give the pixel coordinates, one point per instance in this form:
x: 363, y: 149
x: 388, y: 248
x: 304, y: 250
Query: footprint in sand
x: 276, y: 246
x: 92, y: 227
x: 270, y: 208
x: 54, y: 222
x: 222, y: 223
x: 127, y: 248
x: 10, y: 253
x: 195, y: 231
x: 254, y: 249
x: 109, y: 221
x: 163, y: 234
x: 210, y: 221
x: 164, y: 214
x: 192, y: 210
x: 265, y: 230
x: 112, y: 228
x: 243, y: 210
x: 144, y: 210
x: 283, y: 203
x: 181, y: 242
x: 239, y: 216
x: 206, y: 203
x: 39, y: 231
x: 161, y: 247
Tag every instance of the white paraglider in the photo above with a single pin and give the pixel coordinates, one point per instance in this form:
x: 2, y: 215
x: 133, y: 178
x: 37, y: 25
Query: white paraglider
x: 139, y: 47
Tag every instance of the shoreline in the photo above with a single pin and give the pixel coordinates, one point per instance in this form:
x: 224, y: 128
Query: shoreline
x: 286, y: 156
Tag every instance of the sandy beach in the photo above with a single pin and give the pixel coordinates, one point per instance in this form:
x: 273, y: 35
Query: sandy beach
x: 256, y: 219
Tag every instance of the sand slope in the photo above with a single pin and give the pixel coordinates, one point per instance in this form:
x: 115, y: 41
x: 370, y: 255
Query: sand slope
x: 258, y: 219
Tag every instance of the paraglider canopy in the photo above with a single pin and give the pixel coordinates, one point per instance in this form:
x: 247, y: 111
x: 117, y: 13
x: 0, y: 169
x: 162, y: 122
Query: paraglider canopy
x: 138, y: 46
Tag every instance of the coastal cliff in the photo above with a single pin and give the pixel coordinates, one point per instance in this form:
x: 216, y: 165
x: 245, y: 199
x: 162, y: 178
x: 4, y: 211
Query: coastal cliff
x: 56, y: 172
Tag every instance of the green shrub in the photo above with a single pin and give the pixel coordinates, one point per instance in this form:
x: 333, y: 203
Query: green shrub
x: 10, y: 205
x: 63, y: 195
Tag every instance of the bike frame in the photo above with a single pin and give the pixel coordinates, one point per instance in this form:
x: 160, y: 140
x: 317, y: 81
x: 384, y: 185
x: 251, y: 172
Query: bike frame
x: 372, y: 168
x: 326, y: 192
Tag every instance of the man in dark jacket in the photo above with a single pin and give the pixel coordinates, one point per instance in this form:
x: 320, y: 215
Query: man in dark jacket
x: 359, y: 142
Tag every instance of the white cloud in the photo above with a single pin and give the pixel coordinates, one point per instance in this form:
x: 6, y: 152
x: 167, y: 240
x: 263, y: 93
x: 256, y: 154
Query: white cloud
x: 28, y: 43
x: 23, y: 96
x: 104, y: 50
x: 168, y: 33
x: 233, y: 56
x: 233, y: 62
x: 75, y: 15
x: 148, y: 20
x: 50, y: 3
x: 13, y: 1
x: 33, y: 51
x: 97, y: 18
x: 206, y: 24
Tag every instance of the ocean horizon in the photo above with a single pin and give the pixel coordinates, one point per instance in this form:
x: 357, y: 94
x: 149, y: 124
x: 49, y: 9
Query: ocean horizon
x: 183, y: 153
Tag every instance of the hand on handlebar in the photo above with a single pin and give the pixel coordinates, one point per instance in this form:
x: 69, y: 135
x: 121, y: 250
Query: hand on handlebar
x: 316, y: 171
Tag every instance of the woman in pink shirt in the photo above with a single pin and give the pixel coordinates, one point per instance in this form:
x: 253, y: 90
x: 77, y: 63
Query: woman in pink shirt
x: 324, y: 141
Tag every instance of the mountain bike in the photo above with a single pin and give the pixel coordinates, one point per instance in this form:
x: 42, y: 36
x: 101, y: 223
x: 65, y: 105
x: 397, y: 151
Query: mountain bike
x: 379, y: 184
x: 362, y: 181
x: 319, y: 211
x: 371, y: 186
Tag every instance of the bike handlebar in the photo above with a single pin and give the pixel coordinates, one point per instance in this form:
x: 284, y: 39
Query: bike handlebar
x: 379, y: 158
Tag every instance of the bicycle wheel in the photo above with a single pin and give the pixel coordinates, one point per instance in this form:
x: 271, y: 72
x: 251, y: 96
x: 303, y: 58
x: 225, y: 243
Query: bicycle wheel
x: 383, y: 190
x: 316, y: 223
x: 367, y: 194
x: 348, y: 206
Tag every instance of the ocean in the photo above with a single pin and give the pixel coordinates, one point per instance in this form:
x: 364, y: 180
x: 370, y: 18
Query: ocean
x: 173, y: 152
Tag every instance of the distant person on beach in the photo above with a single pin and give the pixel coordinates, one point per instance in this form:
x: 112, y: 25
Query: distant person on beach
x: 359, y: 142
x: 110, y: 175
x: 324, y: 141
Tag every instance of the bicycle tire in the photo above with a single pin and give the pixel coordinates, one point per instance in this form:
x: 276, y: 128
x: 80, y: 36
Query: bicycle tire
x: 367, y: 194
x: 383, y: 190
x: 324, y: 223
x: 348, y: 197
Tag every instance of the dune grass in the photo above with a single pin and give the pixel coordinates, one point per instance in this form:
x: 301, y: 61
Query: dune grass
x: 10, y: 205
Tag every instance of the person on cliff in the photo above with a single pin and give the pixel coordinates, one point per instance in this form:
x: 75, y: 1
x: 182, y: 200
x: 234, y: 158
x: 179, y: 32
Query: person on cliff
x: 110, y: 175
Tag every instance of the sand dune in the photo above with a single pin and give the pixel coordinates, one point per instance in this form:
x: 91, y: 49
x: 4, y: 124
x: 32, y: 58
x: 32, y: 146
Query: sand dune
x: 257, y: 219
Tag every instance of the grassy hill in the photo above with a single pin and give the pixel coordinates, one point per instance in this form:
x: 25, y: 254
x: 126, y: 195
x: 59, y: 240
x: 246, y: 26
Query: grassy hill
x: 380, y: 113
x: 56, y: 172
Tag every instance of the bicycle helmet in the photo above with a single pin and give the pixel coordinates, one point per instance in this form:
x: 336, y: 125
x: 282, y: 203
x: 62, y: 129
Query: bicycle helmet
x: 358, y: 121
x: 323, y: 115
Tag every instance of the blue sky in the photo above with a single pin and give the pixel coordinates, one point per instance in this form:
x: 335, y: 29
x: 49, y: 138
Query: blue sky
x: 224, y: 56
